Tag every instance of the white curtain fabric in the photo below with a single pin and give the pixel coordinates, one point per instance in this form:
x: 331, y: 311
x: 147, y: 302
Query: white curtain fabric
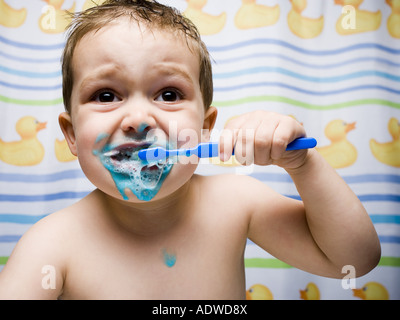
x: 334, y: 65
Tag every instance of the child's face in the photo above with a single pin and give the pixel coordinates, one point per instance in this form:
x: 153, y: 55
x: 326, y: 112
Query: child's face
x: 134, y: 87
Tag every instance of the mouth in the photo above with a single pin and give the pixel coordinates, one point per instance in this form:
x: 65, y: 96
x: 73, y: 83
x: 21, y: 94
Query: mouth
x: 126, y: 152
x: 124, y: 160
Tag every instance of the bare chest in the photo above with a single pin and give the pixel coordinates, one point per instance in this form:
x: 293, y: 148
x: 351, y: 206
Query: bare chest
x: 193, y: 269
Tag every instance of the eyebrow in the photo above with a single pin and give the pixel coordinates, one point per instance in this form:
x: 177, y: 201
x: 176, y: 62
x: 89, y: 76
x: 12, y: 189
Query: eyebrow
x: 171, y: 69
x: 167, y: 69
x: 104, y: 72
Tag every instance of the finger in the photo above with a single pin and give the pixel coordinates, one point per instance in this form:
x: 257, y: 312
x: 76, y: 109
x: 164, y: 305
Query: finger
x: 228, y: 137
x: 263, y: 143
x: 287, y: 130
x: 226, y: 143
x: 244, y: 146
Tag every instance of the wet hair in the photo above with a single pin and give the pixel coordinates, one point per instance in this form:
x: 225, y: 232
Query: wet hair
x: 148, y: 12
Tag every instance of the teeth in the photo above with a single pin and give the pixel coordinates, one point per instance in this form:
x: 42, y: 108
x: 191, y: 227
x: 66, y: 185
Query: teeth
x: 111, y: 153
x: 126, y: 154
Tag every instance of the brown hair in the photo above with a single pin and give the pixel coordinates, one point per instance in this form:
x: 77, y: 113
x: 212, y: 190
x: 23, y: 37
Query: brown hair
x: 148, y: 11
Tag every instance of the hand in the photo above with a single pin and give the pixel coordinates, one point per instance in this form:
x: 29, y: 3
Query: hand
x: 261, y: 137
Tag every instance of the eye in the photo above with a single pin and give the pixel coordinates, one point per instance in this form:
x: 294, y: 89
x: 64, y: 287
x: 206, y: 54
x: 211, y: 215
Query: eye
x: 105, y: 96
x: 169, y: 95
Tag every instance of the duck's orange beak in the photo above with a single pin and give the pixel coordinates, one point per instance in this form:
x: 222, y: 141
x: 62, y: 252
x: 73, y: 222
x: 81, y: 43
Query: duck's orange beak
x: 359, y: 293
x: 350, y: 126
x: 248, y: 296
x: 303, y: 294
x: 41, y: 126
x: 339, y: 2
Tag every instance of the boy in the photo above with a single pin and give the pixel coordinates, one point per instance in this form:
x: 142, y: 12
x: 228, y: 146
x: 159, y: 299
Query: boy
x: 136, y: 75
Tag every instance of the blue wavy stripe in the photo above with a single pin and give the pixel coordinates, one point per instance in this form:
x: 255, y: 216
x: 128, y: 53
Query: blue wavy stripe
x: 29, y: 74
x: 39, y: 178
x: 28, y: 59
x: 263, y: 41
x: 31, y: 46
x: 20, y: 218
x: 307, y: 64
x: 349, y: 76
x: 367, y: 197
x: 385, y: 218
x: 389, y: 239
x: 9, y: 238
x: 310, y: 92
x: 364, y: 178
x: 26, y: 87
x: 379, y: 197
x: 43, y: 197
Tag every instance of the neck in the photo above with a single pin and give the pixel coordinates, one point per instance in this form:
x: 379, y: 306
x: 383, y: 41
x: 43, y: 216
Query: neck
x: 149, y: 218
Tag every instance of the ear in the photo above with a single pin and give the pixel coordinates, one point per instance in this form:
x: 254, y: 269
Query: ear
x: 209, y: 122
x: 64, y: 119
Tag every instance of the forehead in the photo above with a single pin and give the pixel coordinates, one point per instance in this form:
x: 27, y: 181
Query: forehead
x: 130, y: 38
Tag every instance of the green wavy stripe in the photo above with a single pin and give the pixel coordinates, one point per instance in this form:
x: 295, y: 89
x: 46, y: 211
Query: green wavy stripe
x: 272, y: 263
x: 230, y: 103
x: 389, y: 262
x: 34, y: 103
x: 3, y: 260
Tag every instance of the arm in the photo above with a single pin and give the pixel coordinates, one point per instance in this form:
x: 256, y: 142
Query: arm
x: 325, y: 231
x: 336, y: 218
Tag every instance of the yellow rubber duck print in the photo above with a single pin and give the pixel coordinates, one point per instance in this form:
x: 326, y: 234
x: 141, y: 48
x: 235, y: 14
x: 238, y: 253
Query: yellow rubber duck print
x: 253, y: 15
x: 372, y: 291
x: 303, y: 27
x: 364, y: 20
x: 63, y: 154
x: 259, y: 292
x: 389, y: 152
x: 54, y: 19
x: 91, y: 3
x: 311, y: 292
x: 340, y: 153
x: 11, y: 18
x: 206, y: 23
x: 28, y: 151
x: 393, y: 22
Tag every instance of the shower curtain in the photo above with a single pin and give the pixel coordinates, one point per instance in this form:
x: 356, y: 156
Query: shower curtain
x: 334, y: 65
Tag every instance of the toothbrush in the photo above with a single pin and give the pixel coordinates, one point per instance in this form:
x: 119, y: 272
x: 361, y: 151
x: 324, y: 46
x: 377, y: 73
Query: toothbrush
x: 210, y: 149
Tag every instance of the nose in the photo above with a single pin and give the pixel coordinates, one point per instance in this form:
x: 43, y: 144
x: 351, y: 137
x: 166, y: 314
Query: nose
x: 137, y: 118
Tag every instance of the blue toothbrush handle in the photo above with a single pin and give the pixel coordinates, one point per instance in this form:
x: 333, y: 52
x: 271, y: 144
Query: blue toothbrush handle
x: 208, y: 150
x: 301, y: 143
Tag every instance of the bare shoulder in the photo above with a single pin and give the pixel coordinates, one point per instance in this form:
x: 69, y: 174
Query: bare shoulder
x: 42, y: 251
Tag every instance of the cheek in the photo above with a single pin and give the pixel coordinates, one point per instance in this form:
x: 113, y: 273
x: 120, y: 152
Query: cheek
x: 188, y: 133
